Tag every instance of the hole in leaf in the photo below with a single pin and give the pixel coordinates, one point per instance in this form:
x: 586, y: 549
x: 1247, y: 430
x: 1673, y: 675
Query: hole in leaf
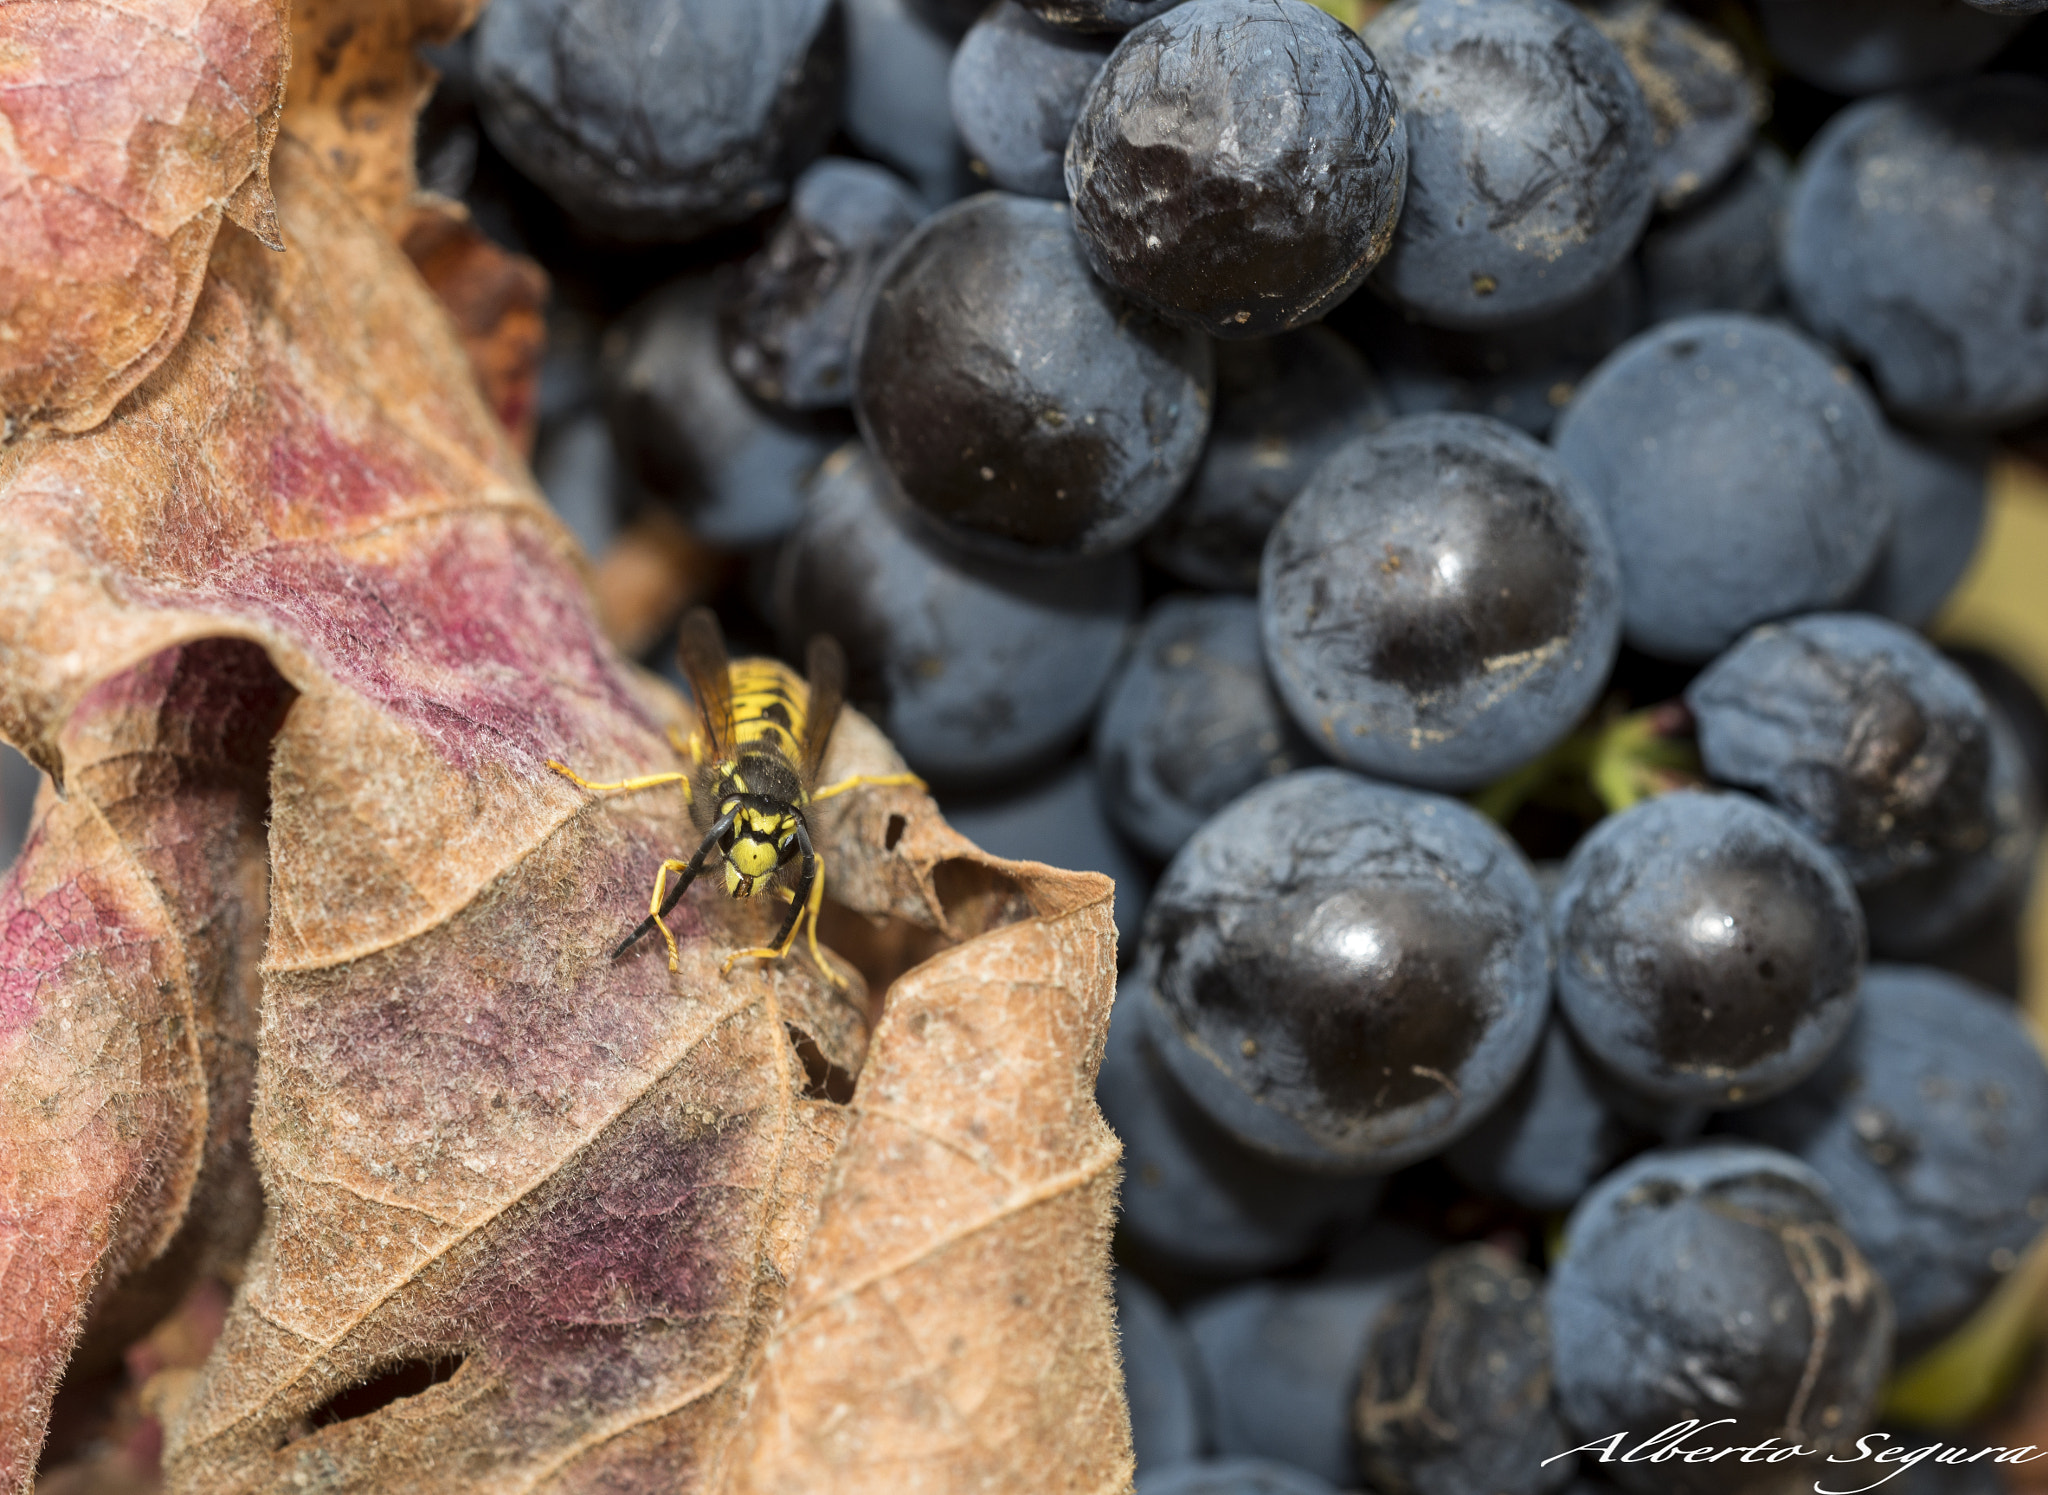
x: 823, y: 1080
x: 978, y: 898
x: 881, y: 949
x: 391, y: 1383
x: 894, y: 832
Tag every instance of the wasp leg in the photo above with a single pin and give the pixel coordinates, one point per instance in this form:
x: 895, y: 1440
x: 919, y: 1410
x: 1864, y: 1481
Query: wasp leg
x: 867, y: 780
x: 817, y: 901
x: 621, y: 786
x: 658, y: 905
x: 810, y: 892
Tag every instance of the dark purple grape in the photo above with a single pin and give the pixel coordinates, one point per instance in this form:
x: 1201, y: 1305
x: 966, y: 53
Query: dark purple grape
x: 1860, y: 731
x: 1441, y: 602
x: 1926, y: 1126
x: 1914, y: 245
x: 1191, y: 722
x: 1708, y: 949
x: 1018, y: 403
x: 1531, y: 158
x: 1715, y: 1283
x: 1349, y: 975
x: 584, y: 97
x: 1237, y: 165
x: 1016, y: 88
x: 1740, y: 469
x: 787, y: 320
x: 1454, y: 1395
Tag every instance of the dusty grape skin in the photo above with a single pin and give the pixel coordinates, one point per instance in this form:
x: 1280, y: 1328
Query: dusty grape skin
x: 981, y: 670
x: 1521, y: 215
x: 1162, y: 1375
x: 1237, y: 165
x: 1692, y: 1285
x: 1191, y: 721
x: 1708, y: 950
x: 581, y: 97
x: 786, y: 323
x: 971, y: 386
x: 1740, y: 469
x: 1860, y: 731
x: 1913, y: 243
x: 1015, y: 88
x: 1721, y: 252
x: 1704, y: 103
x: 1193, y: 1196
x: 1551, y: 1136
x: 1926, y: 1125
x: 1349, y: 974
x: 1441, y: 603
x: 1283, y: 404
x: 1454, y: 1396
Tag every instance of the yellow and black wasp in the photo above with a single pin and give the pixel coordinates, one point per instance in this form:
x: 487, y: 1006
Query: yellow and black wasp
x: 754, y: 758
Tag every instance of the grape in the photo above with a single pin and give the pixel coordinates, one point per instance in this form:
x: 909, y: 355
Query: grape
x: 1531, y: 158
x: 1441, y: 602
x: 1926, y: 1126
x: 1348, y: 974
x: 1454, y: 1396
x: 1717, y: 1283
x: 1857, y: 729
x: 1914, y: 243
x: 1237, y: 166
x: 1191, y: 721
x: 1741, y: 473
x: 1708, y: 950
x: 973, y: 390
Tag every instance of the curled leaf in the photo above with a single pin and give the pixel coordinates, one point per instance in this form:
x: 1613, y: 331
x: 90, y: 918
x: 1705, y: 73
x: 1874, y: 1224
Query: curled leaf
x: 535, y: 1218
x: 126, y: 130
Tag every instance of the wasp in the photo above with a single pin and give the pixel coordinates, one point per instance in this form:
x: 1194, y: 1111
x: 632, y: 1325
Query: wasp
x: 754, y: 758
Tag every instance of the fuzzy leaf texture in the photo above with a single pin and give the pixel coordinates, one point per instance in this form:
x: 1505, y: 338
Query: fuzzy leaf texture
x: 295, y: 635
x: 128, y: 128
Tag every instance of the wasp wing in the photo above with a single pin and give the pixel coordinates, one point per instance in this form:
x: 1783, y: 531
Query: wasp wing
x: 825, y: 670
x: 700, y: 650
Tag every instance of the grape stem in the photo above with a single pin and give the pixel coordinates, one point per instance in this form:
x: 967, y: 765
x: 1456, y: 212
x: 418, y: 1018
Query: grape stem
x: 1622, y: 757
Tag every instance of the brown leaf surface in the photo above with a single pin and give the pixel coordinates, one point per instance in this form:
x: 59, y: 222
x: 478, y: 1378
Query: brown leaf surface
x: 625, y: 1201
x: 357, y: 85
x: 126, y: 131
x: 497, y: 300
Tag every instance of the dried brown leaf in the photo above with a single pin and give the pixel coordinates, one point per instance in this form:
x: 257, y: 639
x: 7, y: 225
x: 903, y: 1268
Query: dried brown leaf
x: 663, y: 1256
x: 126, y: 129
x: 357, y: 86
x: 496, y: 300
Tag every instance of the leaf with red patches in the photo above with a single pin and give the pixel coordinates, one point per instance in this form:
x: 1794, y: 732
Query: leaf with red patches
x: 533, y: 1218
x: 129, y: 130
